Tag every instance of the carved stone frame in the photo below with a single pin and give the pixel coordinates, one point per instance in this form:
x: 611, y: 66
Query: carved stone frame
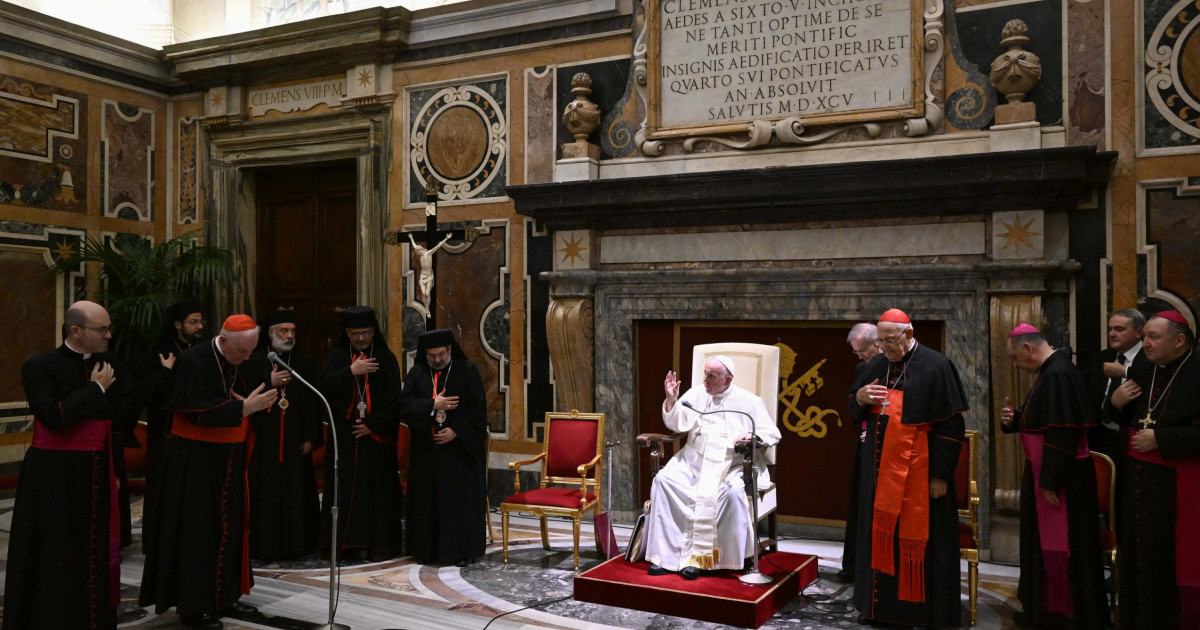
x: 919, y: 119
x: 233, y: 149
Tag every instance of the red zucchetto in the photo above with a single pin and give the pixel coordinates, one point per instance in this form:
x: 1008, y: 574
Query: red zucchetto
x: 1023, y: 329
x: 894, y: 315
x: 238, y: 323
x: 1174, y: 316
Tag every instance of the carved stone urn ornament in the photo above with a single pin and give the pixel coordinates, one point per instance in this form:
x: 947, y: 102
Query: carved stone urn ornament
x: 581, y: 117
x: 1014, y: 73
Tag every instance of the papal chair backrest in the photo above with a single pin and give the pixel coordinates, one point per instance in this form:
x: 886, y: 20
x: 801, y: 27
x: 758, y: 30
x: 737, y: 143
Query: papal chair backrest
x: 755, y: 367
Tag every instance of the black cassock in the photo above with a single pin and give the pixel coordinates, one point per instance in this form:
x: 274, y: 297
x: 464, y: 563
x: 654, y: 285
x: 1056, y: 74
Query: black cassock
x: 155, y: 383
x: 370, y: 504
x: 198, y: 561
x: 933, y: 395
x: 851, y: 535
x: 60, y: 554
x: 447, y: 499
x: 283, y: 488
x: 1059, y: 411
x: 1150, y: 594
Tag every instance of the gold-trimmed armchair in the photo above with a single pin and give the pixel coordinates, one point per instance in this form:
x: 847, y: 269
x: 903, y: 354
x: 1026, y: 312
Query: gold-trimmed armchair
x: 572, y: 456
x: 966, y: 485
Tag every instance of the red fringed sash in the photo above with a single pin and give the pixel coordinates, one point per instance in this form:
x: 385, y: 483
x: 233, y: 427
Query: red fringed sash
x: 1053, y: 529
x: 902, y: 497
x: 1187, y: 542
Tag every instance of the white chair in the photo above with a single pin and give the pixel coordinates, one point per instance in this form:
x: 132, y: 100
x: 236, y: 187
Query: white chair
x: 756, y: 369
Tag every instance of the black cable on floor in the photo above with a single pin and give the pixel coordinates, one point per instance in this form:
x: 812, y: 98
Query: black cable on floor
x: 819, y: 601
x: 537, y: 605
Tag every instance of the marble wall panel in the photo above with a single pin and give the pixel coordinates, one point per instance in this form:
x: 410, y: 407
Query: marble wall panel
x: 1172, y: 226
x: 127, y: 158
x: 613, y: 92
x: 540, y: 123
x: 187, y: 163
x: 1018, y: 234
x: 458, y: 134
x: 1169, y: 48
x: 977, y: 30
x: 43, y: 146
x: 1086, y: 90
x: 539, y: 379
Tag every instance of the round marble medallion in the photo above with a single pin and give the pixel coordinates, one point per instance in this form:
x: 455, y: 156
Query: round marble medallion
x: 458, y: 142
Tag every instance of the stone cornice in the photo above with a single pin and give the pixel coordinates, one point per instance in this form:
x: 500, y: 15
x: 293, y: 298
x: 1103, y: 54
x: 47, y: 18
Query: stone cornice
x: 316, y: 47
x: 31, y: 28
x: 1048, y: 179
x: 478, y: 20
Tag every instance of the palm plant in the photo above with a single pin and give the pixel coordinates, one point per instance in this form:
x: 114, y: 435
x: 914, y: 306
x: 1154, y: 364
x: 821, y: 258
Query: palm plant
x: 140, y: 281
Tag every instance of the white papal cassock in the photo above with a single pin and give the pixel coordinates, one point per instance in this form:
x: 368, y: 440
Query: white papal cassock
x: 699, y: 512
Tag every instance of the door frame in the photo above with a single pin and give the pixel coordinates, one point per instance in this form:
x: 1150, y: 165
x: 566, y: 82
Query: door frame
x: 234, y: 148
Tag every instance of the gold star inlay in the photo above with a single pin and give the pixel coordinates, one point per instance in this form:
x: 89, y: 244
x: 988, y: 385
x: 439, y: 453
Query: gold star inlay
x: 65, y: 249
x: 217, y: 99
x: 364, y: 78
x: 1018, y: 234
x: 572, y: 249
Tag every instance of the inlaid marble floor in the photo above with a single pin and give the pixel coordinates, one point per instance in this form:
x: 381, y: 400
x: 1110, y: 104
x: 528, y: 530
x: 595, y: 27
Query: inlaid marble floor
x: 401, y: 594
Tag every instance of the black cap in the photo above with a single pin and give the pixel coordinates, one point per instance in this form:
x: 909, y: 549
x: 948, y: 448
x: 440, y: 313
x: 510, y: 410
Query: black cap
x: 280, y: 316
x: 359, y: 317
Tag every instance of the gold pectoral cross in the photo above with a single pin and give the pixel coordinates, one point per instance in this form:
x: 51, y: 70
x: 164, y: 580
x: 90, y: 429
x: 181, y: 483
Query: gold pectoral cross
x: 1147, y: 422
x: 283, y: 401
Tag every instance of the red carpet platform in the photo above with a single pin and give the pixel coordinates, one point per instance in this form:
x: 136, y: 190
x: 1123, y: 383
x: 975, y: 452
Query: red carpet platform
x: 718, y: 597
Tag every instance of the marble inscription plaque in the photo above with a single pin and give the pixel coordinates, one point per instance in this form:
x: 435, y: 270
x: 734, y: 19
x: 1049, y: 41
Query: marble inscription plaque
x: 735, y: 61
x: 297, y: 98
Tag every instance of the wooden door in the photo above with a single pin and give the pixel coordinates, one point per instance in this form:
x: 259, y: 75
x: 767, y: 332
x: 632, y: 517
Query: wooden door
x: 307, y: 255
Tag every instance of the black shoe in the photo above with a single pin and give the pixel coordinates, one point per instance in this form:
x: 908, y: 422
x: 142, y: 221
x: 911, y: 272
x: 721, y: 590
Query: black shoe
x: 657, y: 570
x: 845, y: 576
x: 207, y: 621
x: 690, y: 573
x: 244, y: 609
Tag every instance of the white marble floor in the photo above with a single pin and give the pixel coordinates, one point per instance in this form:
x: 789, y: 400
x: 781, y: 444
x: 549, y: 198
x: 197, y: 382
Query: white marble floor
x: 536, y: 583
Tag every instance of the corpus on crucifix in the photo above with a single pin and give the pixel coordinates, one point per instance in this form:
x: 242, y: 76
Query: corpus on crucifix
x: 426, y: 243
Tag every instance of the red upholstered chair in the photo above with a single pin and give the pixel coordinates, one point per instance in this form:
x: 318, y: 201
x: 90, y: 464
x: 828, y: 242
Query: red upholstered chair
x: 966, y: 485
x: 403, y: 438
x: 135, y: 461
x: 571, y: 455
x: 1106, y: 482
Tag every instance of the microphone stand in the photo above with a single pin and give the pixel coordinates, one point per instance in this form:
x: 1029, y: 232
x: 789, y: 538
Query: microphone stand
x: 753, y: 576
x: 333, y: 585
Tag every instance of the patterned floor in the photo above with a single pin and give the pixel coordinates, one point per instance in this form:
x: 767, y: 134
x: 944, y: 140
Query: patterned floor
x: 532, y: 591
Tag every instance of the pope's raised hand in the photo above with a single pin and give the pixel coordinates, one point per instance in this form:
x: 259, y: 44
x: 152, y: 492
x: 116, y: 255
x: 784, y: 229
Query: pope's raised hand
x: 671, y: 388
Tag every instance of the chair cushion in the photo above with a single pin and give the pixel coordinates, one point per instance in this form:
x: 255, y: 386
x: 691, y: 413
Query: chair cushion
x: 965, y: 539
x: 572, y: 444
x: 549, y: 497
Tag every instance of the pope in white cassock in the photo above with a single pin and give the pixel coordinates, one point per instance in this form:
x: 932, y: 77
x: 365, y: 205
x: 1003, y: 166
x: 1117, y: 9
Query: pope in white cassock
x: 699, y: 513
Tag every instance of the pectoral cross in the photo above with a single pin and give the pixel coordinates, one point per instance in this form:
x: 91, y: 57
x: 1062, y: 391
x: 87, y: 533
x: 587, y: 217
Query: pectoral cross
x: 432, y: 236
x: 1147, y: 422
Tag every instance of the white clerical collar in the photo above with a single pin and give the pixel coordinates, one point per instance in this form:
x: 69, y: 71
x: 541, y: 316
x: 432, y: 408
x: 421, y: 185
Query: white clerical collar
x: 86, y: 355
x: 720, y: 398
x: 1132, y: 352
x: 217, y: 345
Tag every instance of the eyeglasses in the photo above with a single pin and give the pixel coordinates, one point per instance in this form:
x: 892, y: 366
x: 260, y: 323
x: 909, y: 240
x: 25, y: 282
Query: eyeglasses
x: 103, y: 330
x: 193, y: 322
x: 360, y: 335
x: 890, y: 341
x: 862, y: 354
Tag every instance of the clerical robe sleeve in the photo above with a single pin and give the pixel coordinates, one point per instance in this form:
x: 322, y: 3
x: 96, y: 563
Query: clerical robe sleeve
x: 1015, y: 425
x: 201, y: 399
x: 385, y: 393
x: 1059, y: 451
x: 416, y: 401
x: 680, y: 419
x: 54, y: 410
x: 945, y: 445
x: 1180, y: 440
x: 124, y: 401
x: 469, y: 421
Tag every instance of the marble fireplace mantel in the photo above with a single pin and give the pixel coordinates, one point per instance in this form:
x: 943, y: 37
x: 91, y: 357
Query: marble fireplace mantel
x: 958, y: 294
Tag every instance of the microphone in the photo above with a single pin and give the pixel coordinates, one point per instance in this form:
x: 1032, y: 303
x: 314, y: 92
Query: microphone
x: 753, y: 576
x: 274, y: 358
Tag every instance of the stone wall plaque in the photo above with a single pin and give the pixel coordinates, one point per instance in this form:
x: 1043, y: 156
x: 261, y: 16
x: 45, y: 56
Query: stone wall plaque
x: 297, y: 98
x: 716, y: 65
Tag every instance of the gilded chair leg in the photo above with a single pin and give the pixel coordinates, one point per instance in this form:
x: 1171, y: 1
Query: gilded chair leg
x: 491, y: 532
x: 504, y: 532
x: 575, y: 531
x: 973, y: 585
x: 1116, y: 582
x: 545, y: 533
x: 596, y: 530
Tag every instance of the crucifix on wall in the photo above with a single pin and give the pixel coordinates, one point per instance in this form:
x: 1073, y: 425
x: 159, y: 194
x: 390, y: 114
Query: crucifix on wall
x: 426, y: 243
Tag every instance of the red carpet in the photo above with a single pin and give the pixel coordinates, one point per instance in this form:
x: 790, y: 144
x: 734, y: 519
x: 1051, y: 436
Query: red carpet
x: 717, y: 597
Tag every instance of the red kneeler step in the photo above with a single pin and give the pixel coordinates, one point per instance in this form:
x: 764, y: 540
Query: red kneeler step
x: 718, y: 597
